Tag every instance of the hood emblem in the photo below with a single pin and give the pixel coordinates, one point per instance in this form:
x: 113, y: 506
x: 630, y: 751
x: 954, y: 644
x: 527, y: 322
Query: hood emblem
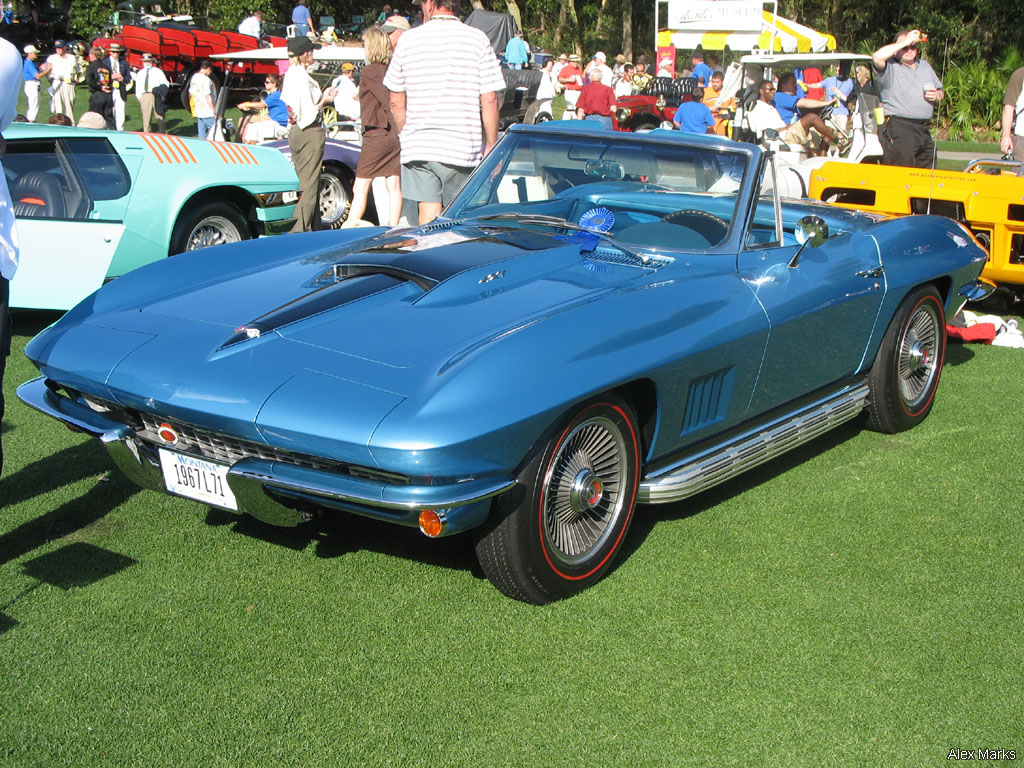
x: 492, y: 276
x: 167, y: 434
x: 250, y: 333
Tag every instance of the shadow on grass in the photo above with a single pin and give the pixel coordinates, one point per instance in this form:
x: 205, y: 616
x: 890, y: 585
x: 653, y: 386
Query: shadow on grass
x: 336, y: 533
x: 67, y: 466
x: 76, y: 565
x: 649, y: 515
x: 958, y: 354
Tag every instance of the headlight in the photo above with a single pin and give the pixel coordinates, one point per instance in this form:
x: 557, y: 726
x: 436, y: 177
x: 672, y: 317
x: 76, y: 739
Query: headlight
x: 622, y: 114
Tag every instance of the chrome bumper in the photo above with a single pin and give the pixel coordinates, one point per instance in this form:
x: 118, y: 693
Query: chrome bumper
x: 268, y: 490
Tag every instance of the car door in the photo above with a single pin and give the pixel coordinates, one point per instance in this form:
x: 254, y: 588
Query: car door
x: 70, y: 196
x: 821, y: 306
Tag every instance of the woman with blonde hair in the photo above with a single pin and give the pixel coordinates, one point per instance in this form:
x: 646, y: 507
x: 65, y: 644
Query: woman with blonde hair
x: 380, y: 155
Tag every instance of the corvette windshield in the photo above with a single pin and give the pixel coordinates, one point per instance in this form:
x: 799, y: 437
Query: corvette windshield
x: 645, y: 194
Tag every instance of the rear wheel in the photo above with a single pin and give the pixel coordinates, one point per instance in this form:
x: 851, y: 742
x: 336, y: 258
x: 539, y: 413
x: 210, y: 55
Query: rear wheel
x: 335, y: 197
x: 560, y: 530
x: 208, y: 224
x: 907, y: 367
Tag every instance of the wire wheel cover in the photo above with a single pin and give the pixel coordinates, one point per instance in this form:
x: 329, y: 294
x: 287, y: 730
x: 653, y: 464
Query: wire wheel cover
x: 918, y: 366
x: 583, y: 490
x: 215, y: 230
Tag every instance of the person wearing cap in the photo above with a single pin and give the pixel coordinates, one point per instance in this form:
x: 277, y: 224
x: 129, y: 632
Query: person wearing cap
x: 147, y: 80
x: 32, y: 74
x: 556, y: 70
x: 61, y: 71
x: 598, y: 63
x: 200, y: 94
x: 10, y: 63
x: 394, y: 27
x: 120, y: 79
x: 910, y: 90
x: 617, y: 69
x: 305, y: 100
x: 252, y: 26
x: 346, y: 102
x: 641, y: 78
x: 516, y: 54
x: 444, y: 81
x: 97, y: 80
x: 597, y: 100
x: 571, y: 78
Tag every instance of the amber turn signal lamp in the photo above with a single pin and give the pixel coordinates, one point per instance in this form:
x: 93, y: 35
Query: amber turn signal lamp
x: 430, y: 523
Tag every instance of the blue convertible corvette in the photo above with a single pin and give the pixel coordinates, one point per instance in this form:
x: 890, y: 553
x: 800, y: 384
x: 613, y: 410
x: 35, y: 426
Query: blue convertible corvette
x: 599, y: 320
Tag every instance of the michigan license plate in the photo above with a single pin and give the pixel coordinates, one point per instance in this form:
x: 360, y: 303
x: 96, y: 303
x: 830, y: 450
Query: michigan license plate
x: 197, y: 479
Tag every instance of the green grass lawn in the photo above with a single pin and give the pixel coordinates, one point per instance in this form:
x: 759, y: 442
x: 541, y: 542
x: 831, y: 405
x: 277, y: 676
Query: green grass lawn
x: 179, y: 121
x: 855, y: 603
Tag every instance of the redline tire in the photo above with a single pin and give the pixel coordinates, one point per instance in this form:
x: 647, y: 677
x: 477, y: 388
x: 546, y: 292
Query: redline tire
x: 561, y: 529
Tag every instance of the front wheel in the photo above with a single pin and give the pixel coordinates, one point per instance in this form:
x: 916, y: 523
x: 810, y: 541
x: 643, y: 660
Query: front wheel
x: 907, y: 367
x: 559, y: 531
x: 335, y: 198
x: 208, y: 224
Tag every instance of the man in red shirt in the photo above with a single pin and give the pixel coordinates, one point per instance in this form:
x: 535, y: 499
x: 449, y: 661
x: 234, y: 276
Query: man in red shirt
x: 571, y: 78
x: 597, y: 100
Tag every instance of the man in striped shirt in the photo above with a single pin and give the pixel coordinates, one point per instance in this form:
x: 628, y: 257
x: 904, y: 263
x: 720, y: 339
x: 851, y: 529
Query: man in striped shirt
x: 910, y: 89
x: 444, y: 81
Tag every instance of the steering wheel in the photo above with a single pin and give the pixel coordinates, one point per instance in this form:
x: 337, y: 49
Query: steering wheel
x: 706, y: 224
x: 826, y: 112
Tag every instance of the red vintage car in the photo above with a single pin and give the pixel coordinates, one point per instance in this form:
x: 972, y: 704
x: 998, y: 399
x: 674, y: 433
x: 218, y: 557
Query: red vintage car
x: 654, y: 105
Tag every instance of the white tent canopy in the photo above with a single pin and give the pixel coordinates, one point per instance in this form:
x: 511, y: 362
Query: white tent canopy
x: 740, y: 25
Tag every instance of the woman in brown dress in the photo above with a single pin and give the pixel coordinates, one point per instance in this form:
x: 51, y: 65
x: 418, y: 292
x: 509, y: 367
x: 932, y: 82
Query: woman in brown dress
x: 380, y: 155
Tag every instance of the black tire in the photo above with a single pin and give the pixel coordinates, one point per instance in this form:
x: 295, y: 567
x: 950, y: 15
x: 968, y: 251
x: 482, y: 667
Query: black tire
x: 559, y: 531
x: 335, y: 196
x: 208, y: 224
x: 905, y: 375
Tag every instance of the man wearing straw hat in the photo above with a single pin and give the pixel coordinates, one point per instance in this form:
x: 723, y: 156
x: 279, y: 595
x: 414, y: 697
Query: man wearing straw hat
x: 571, y: 78
x: 120, y: 77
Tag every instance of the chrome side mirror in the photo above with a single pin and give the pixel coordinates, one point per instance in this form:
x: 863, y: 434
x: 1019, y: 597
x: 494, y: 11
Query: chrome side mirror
x: 811, y: 230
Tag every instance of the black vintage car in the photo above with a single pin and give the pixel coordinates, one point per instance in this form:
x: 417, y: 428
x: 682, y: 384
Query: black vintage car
x: 36, y: 23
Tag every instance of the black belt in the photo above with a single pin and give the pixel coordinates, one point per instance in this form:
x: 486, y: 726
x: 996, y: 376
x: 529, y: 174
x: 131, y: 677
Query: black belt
x: 911, y: 120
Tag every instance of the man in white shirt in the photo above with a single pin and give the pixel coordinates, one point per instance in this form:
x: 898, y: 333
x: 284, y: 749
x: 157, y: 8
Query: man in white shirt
x: 440, y: 125
x: 809, y: 132
x: 62, y: 87
x: 200, y: 91
x: 10, y: 84
x: 347, y: 100
x: 252, y: 26
x: 147, y: 80
x: 306, y: 138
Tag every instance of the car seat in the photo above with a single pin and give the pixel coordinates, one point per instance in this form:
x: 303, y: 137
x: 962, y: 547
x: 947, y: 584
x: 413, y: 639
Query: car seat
x: 37, y: 194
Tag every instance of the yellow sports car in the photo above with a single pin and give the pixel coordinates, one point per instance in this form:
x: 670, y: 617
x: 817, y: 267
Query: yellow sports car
x: 987, y: 197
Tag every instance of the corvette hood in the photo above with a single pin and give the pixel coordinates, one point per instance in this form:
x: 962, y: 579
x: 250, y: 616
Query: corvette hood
x: 398, y: 299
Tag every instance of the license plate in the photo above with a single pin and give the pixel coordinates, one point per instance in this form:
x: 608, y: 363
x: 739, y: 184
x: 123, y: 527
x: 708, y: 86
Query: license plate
x: 290, y: 197
x: 197, y: 479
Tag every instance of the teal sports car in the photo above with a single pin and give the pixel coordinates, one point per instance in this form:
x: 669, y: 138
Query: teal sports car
x: 93, y: 205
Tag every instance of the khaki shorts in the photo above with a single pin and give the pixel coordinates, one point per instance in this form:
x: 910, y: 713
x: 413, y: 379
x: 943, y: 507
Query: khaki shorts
x: 432, y: 182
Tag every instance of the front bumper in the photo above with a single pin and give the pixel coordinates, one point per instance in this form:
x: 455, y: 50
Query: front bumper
x: 275, y: 491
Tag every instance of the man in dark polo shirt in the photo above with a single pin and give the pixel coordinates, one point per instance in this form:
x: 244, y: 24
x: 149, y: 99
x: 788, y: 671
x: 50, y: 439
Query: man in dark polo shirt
x: 910, y: 89
x: 597, y: 100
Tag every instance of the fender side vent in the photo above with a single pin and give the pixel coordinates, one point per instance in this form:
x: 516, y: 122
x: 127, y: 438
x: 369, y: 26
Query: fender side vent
x: 708, y: 400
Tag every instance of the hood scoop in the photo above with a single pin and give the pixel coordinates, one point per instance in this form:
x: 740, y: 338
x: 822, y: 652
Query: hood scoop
x: 416, y: 258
